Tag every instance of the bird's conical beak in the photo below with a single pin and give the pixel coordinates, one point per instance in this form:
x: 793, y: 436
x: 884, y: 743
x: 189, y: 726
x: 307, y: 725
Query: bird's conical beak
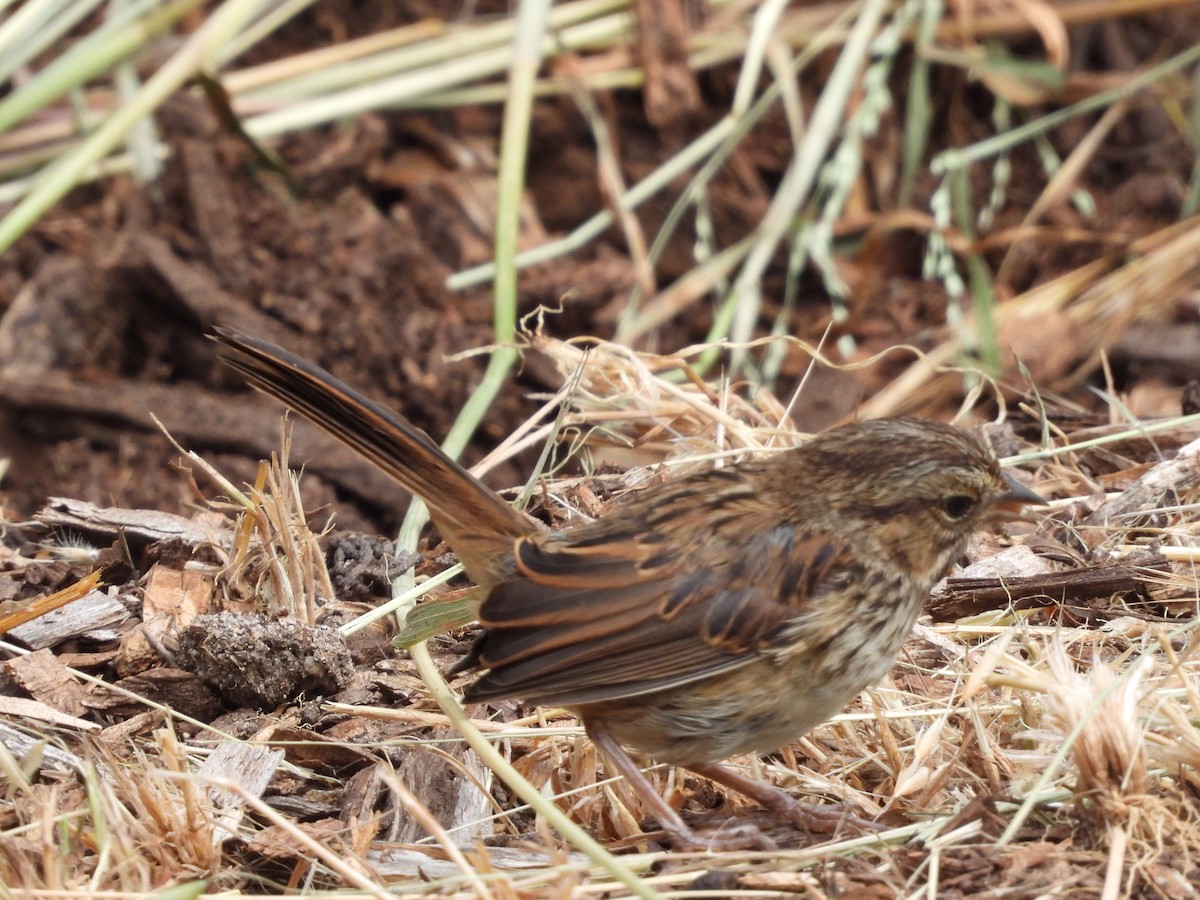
x: 1011, y: 504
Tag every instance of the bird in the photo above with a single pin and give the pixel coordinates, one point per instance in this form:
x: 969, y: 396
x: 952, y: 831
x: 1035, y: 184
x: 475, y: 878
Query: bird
x: 721, y: 613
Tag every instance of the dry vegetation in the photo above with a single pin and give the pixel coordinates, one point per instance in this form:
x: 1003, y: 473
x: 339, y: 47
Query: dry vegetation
x: 1031, y: 269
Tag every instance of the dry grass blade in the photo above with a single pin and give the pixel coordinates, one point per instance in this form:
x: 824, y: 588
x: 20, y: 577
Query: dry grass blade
x: 111, y: 827
x: 285, y: 568
x: 1093, y: 304
x: 49, y: 603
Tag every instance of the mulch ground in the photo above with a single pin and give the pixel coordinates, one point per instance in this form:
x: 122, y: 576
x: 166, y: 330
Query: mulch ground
x: 105, y: 304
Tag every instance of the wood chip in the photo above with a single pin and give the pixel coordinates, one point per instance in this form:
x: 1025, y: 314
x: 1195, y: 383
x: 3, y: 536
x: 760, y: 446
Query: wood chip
x: 251, y: 766
x: 182, y: 691
x: 1177, y: 477
x: 87, y: 660
x: 16, y: 613
x: 446, y: 782
x: 144, y: 526
x: 972, y: 596
x: 396, y: 862
x: 172, y: 598
x: 309, y: 749
x: 47, y: 680
x: 20, y: 744
x: 89, y: 614
x: 23, y: 707
x: 119, y: 734
x: 179, y: 595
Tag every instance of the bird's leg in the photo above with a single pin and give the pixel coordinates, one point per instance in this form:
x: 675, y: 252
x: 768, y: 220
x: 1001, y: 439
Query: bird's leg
x: 682, y: 837
x: 811, y: 817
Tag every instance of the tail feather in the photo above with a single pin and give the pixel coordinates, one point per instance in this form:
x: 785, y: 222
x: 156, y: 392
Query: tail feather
x: 464, y: 509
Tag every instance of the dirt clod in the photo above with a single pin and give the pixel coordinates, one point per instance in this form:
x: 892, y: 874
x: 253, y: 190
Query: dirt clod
x: 260, y: 663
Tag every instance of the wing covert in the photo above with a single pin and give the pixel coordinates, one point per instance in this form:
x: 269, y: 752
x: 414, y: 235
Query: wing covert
x: 600, y: 619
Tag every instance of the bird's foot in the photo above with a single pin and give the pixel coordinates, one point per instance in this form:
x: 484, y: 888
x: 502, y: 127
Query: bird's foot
x: 811, y: 817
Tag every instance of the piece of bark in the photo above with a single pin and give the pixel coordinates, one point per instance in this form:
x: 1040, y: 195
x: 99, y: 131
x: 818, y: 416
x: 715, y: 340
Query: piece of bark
x: 119, y: 735
x: 277, y: 845
x: 172, y: 598
x: 196, y: 292
x: 214, y: 212
x: 25, y: 708
x: 140, y: 652
x: 446, y: 784
x: 1017, y: 561
x: 972, y: 596
x: 306, y: 807
x: 307, y: 749
x: 14, y: 613
x: 367, y: 646
x: 369, y: 810
x: 1189, y: 398
x: 1177, y: 477
x: 669, y: 88
x: 180, y: 595
x: 430, y: 862
x: 251, y: 766
x: 47, y: 680
x: 87, y: 660
x: 242, y: 724
x: 193, y: 416
x: 65, y: 289
x: 442, y: 782
x: 87, y: 616
x: 1166, y: 349
x: 53, y: 758
x: 180, y: 690
x: 138, y: 526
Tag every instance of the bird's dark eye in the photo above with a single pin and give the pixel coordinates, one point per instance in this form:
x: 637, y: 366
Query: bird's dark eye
x: 957, y: 505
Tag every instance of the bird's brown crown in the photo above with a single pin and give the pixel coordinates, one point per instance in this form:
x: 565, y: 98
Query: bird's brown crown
x: 916, y: 488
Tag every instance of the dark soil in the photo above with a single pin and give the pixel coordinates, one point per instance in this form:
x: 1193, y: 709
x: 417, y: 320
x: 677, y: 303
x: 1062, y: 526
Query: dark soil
x: 107, y: 301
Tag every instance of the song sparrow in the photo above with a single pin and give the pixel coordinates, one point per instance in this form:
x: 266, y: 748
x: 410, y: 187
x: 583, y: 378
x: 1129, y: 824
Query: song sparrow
x: 722, y: 613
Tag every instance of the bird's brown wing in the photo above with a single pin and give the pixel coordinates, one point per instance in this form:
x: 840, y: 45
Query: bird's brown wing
x: 618, y: 612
